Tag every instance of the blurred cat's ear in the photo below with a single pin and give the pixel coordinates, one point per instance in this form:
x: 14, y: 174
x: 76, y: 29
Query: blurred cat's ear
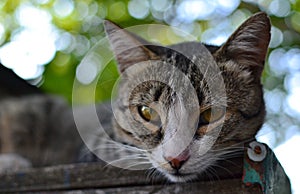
x: 127, y: 49
x: 248, y: 45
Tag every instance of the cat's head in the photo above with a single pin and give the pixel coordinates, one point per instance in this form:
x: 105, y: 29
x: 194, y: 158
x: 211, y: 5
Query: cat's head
x: 189, y: 105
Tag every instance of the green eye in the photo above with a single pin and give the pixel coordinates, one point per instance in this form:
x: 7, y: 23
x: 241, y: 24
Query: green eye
x: 148, y: 114
x: 211, y: 115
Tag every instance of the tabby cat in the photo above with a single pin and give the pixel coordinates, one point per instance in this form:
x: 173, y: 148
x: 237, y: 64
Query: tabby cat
x: 186, y: 106
x: 179, y: 109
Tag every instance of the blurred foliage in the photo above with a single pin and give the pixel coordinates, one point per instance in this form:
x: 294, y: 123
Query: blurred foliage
x: 77, y: 27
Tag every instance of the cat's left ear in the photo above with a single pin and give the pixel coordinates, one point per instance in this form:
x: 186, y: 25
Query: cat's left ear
x: 127, y: 49
x: 248, y: 45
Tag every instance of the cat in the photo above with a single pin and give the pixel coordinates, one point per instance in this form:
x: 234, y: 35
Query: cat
x: 40, y: 129
x: 183, y: 107
x: 179, y: 109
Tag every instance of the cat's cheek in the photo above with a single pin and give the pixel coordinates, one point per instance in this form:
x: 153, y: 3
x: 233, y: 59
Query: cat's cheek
x: 156, y: 158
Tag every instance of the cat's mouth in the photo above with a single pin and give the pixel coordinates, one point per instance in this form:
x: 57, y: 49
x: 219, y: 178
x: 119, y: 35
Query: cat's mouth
x: 178, y: 173
x: 181, y: 177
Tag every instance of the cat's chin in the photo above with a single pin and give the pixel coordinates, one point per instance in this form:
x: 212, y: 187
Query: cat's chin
x: 181, y: 178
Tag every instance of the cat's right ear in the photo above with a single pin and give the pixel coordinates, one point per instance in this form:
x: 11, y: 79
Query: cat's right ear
x: 248, y: 45
x: 127, y: 49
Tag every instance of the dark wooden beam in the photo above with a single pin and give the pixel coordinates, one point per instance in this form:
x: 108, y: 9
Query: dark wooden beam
x: 98, y: 176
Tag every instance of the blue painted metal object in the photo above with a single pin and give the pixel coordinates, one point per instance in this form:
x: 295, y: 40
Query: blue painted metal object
x: 262, y: 168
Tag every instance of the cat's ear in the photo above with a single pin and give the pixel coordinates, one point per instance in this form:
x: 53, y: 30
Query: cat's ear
x: 248, y: 45
x: 127, y: 49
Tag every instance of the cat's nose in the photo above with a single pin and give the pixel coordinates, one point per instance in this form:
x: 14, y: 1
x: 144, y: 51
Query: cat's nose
x: 177, y: 162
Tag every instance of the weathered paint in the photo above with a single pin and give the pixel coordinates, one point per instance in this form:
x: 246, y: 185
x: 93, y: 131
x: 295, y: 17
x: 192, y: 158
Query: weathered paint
x: 268, y: 173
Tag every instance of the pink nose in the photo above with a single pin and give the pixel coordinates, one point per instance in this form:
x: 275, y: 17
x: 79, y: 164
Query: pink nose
x: 177, y: 162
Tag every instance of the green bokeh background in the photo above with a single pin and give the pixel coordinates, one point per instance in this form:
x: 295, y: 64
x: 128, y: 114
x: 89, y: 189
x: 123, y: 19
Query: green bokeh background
x: 59, y: 74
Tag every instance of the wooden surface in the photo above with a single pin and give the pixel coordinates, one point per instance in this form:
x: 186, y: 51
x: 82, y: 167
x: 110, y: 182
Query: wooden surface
x: 96, y: 178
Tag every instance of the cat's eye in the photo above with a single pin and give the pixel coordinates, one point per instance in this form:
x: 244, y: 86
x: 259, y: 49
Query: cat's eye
x: 148, y: 114
x: 211, y: 115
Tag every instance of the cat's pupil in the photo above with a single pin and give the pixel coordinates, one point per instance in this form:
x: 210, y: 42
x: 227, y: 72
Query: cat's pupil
x: 211, y: 115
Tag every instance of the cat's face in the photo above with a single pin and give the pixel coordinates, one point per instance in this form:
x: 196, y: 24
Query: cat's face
x: 188, y: 105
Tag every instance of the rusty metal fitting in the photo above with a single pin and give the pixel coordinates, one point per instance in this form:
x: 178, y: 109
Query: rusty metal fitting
x: 256, y: 151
